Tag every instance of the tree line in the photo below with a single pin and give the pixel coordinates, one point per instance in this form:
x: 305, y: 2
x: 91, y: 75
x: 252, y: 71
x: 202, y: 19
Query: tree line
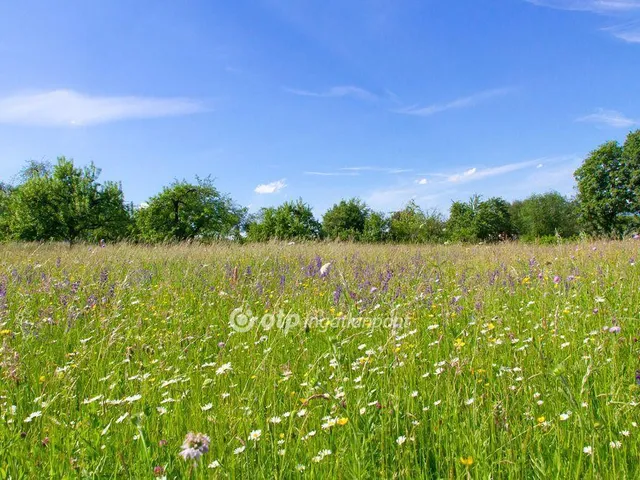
x: 64, y: 202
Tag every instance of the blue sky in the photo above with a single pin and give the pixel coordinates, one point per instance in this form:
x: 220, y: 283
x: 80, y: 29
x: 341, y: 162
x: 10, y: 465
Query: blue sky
x: 387, y: 100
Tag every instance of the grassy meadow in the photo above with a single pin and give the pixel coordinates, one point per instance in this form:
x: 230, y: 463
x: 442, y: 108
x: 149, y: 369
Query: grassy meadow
x: 451, y: 362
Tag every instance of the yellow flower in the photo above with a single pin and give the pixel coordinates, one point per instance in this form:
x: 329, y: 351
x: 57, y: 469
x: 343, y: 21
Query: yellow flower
x: 42, y: 379
x: 525, y: 280
x: 5, y: 332
x: 540, y: 419
x: 467, y: 462
x: 458, y: 343
x: 342, y: 421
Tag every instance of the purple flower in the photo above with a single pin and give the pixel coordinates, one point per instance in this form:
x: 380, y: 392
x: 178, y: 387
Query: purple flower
x: 556, y: 279
x: 614, y: 329
x: 638, y: 377
x: 194, y: 445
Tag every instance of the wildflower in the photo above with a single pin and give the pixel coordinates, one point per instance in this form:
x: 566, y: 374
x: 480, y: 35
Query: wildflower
x: 275, y: 420
x: 214, y: 464
x: 194, y: 445
x: 32, y: 416
x: 414, y: 394
x: 470, y: 401
x: 540, y: 419
x: 302, y: 413
x: 239, y: 450
x: 206, y: 407
x: 254, y: 436
x: 133, y: 398
x: 158, y: 470
x: 401, y: 439
x: 222, y: 369
x: 363, y: 410
x: 588, y: 450
x: 300, y: 468
x: 615, y: 329
x: 342, y: 421
x: 467, y: 462
x: 616, y: 444
x: 625, y: 433
x: 565, y: 416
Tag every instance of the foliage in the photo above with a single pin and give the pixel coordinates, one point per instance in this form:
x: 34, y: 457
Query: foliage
x: 376, y: 228
x: 478, y: 220
x: 292, y: 220
x: 603, y: 190
x: 5, y: 198
x: 545, y: 215
x: 65, y: 202
x: 186, y: 211
x: 345, y: 220
x: 413, y: 225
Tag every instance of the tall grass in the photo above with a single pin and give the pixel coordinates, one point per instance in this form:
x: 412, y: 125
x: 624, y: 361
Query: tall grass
x: 513, y: 361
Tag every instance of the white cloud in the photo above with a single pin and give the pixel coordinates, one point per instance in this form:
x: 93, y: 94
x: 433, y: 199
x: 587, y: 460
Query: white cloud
x: 390, y: 170
x: 70, y: 108
x: 597, y: 6
x: 463, y: 102
x: 422, y: 181
x: 273, y: 187
x: 629, y: 32
x: 611, y: 118
x: 340, y: 91
x: 333, y: 174
x: 629, y: 9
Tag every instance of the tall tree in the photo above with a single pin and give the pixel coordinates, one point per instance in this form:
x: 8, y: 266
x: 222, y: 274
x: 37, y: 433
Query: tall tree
x: 376, y: 228
x: 478, y: 220
x: 604, y: 192
x: 413, y: 225
x: 345, y: 220
x: 184, y: 211
x: 5, y: 197
x: 290, y: 221
x: 65, y: 202
x: 542, y: 215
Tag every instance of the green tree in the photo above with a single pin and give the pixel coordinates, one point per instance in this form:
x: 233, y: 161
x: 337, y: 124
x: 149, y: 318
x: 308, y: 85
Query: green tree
x: 345, y: 220
x: 604, y: 192
x: 460, y: 225
x: 185, y: 211
x: 492, y: 220
x: 290, y: 221
x: 544, y: 215
x: 413, y: 225
x: 631, y: 168
x: 376, y: 228
x: 5, y: 198
x: 478, y: 220
x: 65, y: 202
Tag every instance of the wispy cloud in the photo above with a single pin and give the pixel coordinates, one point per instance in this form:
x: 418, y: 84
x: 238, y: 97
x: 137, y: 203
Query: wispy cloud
x: 597, y: 6
x: 463, y: 102
x: 611, y: 118
x: 474, y: 174
x: 438, y: 189
x: 629, y: 32
x: 333, y: 174
x: 339, y: 91
x: 629, y: 9
x: 273, y: 187
x: 390, y: 170
x: 59, y: 108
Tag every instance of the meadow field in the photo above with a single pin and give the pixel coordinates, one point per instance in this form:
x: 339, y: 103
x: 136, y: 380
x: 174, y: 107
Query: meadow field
x: 320, y: 361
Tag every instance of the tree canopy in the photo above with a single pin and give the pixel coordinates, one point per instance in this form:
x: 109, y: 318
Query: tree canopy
x: 186, y: 211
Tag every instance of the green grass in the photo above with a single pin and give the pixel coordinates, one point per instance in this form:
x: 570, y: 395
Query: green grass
x: 119, y: 349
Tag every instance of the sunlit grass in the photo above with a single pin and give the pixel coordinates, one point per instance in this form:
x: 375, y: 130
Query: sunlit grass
x: 516, y: 362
